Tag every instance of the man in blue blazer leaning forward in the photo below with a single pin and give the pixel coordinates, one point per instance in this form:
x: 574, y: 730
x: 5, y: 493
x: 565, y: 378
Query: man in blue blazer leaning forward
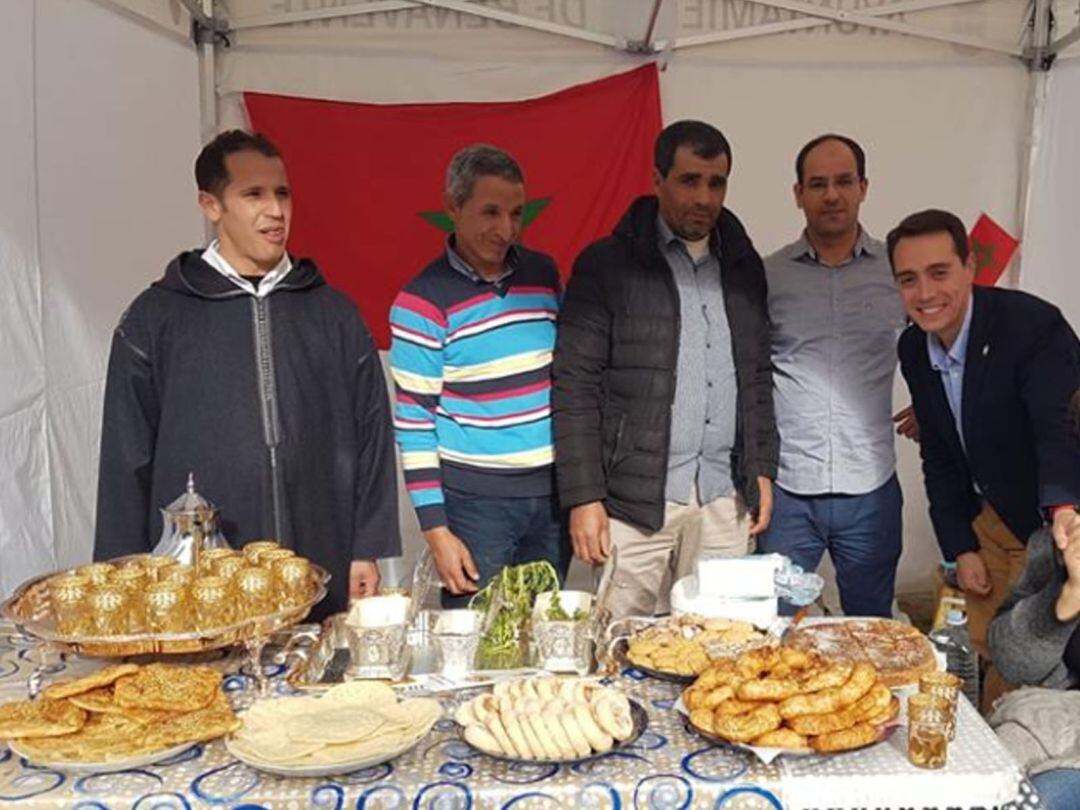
x: 991, y: 373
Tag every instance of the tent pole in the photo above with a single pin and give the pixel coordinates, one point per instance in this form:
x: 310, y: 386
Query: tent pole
x: 207, y: 79
x: 1040, y: 58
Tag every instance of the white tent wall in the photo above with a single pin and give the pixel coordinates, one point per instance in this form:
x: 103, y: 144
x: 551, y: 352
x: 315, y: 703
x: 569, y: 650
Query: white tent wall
x: 1049, y: 266
x: 101, y: 122
x: 944, y: 126
x: 106, y: 122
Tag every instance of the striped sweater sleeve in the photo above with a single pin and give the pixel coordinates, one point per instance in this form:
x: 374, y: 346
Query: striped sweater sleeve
x: 418, y: 334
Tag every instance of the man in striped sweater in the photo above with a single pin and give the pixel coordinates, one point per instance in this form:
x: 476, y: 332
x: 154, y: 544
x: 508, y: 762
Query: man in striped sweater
x: 473, y: 336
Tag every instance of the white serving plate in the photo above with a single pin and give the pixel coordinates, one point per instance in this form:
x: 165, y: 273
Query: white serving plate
x: 323, y: 769
x: 101, y: 767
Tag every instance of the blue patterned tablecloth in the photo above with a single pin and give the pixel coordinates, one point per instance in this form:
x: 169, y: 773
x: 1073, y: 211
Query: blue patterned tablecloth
x: 668, y: 767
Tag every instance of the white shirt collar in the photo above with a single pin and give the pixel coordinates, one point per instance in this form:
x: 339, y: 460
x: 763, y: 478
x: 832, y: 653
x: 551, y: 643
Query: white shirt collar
x: 214, y: 258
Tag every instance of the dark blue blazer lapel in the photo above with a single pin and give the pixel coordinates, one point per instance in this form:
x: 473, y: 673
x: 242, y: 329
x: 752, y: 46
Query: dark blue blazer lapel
x: 977, y: 361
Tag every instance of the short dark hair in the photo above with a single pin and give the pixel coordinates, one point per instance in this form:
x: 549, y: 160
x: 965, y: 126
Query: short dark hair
x: 211, y: 175
x: 860, y: 155
x: 932, y: 220
x: 704, y: 140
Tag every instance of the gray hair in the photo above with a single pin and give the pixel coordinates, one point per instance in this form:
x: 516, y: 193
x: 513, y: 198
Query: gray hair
x: 476, y: 161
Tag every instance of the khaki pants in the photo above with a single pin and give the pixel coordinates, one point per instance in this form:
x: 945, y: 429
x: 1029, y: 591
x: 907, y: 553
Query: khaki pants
x: 648, y: 564
x: 1003, y: 555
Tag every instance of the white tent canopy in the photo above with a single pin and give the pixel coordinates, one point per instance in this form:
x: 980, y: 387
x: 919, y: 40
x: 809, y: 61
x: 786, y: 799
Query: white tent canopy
x: 971, y: 105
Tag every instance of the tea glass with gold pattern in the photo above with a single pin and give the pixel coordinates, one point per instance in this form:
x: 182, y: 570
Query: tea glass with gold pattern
x: 251, y: 550
x: 947, y: 686
x: 167, y: 608
x: 133, y: 579
x: 266, y: 558
x: 291, y: 580
x: 211, y: 598
x: 157, y: 566
x: 109, y: 610
x: 928, y: 731
x: 69, y: 596
x: 208, y: 556
x: 254, y: 588
x: 180, y: 573
x: 226, y: 567
x: 97, y: 573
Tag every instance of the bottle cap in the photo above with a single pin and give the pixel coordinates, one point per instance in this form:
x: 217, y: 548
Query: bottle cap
x: 956, y: 617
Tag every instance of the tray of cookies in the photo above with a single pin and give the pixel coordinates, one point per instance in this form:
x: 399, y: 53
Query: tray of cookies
x: 679, y: 648
x: 784, y: 700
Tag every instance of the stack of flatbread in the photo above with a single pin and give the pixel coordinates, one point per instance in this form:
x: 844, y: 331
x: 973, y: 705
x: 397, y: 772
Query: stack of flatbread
x: 118, y: 713
x: 352, y: 722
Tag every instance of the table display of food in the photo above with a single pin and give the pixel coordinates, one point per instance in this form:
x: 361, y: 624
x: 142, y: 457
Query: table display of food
x: 530, y: 693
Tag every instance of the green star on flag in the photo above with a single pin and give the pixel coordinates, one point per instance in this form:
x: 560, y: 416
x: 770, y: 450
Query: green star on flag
x: 442, y: 221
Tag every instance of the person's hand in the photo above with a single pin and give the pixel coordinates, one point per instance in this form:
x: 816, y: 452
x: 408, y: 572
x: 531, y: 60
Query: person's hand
x: 589, y: 532
x: 452, y: 560
x: 1067, y: 539
x: 363, y: 578
x: 906, y: 424
x: 764, y: 511
x: 1066, y: 525
x: 971, y: 574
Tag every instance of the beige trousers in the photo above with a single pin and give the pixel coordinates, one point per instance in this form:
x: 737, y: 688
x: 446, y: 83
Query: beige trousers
x: 649, y: 563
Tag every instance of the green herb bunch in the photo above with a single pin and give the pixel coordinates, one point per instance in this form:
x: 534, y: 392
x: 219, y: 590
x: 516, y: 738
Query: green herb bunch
x: 511, y: 595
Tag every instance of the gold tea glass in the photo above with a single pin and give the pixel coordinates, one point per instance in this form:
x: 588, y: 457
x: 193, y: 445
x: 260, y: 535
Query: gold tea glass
x: 167, y: 608
x: 266, y: 558
x: 252, y: 549
x: 928, y: 731
x: 157, y: 566
x: 97, y: 573
x: 109, y: 610
x: 69, y: 596
x: 947, y: 686
x: 208, y: 556
x: 133, y: 579
x: 291, y: 579
x: 253, y: 586
x: 180, y: 573
x: 211, y: 598
x: 226, y: 567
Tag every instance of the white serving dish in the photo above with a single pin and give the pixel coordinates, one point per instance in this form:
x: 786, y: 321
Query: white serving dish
x: 686, y: 598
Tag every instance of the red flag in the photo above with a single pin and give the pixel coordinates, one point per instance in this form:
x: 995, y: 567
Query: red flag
x: 368, y: 178
x: 992, y: 247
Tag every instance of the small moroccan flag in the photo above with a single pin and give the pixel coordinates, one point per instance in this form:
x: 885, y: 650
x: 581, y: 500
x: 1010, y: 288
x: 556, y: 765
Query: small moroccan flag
x: 368, y: 178
x: 992, y: 247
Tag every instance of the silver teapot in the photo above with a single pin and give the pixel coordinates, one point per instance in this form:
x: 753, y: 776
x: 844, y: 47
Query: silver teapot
x: 190, y: 527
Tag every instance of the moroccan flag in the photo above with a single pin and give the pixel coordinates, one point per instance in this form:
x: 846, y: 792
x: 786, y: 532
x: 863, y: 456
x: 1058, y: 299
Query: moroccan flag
x: 992, y: 247
x: 368, y: 178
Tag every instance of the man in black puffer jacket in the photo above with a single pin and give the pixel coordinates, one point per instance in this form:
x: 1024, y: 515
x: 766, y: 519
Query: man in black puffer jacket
x: 665, y: 438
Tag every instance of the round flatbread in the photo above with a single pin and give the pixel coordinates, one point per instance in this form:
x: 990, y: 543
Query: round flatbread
x: 39, y: 718
x: 333, y: 724
x: 95, y: 680
x: 168, y: 688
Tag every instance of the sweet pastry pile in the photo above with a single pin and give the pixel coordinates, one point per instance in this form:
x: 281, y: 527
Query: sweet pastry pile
x: 120, y: 712
x: 898, y: 651
x: 787, y: 698
x: 547, y: 718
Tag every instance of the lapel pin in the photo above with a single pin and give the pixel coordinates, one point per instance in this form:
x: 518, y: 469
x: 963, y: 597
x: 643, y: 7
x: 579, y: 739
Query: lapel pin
x: 986, y: 349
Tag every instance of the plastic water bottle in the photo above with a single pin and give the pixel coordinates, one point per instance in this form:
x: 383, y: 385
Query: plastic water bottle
x: 960, y: 657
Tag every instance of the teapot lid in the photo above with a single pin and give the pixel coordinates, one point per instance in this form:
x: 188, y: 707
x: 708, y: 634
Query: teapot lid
x: 190, y: 501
